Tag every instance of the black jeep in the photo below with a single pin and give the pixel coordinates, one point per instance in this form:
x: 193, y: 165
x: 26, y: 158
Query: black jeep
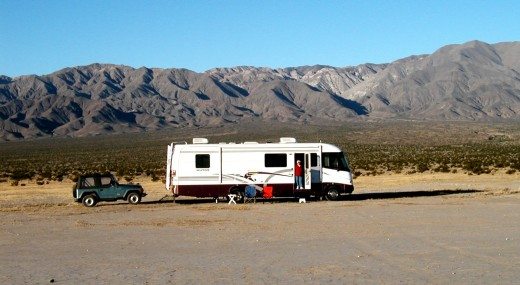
x: 93, y: 188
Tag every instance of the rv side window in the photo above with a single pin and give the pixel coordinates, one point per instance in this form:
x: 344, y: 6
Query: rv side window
x: 314, y: 159
x: 202, y: 160
x: 275, y: 160
x: 335, y: 160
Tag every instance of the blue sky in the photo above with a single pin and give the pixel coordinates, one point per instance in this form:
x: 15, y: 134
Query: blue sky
x: 40, y: 37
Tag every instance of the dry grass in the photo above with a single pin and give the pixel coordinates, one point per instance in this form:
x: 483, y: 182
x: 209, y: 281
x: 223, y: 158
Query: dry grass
x: 225, y: 206
x: 436, y: 181
x: 57, y: 197
x: 502, y: 192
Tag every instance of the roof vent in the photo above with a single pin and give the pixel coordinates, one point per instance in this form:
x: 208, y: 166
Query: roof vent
x: 287, y: 140
x: 200, y: 140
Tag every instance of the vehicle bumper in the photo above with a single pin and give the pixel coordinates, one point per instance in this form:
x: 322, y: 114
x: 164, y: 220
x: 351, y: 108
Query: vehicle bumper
x: 348, y: 189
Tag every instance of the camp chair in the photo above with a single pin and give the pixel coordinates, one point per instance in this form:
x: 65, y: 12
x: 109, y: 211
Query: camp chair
x: 267, y: 193
x: 250, y: 194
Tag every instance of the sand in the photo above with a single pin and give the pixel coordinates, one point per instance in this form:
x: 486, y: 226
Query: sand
x: 420, y: 228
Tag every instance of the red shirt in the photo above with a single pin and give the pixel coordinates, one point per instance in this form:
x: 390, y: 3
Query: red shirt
x: 298, y: 170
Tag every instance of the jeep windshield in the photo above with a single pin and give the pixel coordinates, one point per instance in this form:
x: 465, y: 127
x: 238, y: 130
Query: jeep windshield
x: 335, y: 160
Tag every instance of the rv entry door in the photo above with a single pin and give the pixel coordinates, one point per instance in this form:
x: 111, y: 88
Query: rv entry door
x: 305, y: 158
x: 170, y: 170
x: 307, y: 170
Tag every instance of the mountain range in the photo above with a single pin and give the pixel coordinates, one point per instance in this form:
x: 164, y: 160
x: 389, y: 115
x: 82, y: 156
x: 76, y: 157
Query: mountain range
x: 470, y: 81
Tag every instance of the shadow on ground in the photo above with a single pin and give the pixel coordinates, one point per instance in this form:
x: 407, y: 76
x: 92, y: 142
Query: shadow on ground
x: 405, y: 194
x: 352, y: 197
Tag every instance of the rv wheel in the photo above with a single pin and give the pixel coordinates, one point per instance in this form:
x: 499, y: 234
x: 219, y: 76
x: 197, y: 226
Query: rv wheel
x: 240, y: 194
x: 332, y: 194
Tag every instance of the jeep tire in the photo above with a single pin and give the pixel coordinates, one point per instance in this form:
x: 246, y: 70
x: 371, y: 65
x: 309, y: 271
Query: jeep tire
x: 89, y: 200
x: 134, y: 198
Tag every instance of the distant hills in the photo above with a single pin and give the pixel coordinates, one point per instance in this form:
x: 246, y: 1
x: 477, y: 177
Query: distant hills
x: 471, y: 81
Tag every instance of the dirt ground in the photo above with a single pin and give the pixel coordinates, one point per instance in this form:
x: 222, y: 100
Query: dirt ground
x: 420, y: 228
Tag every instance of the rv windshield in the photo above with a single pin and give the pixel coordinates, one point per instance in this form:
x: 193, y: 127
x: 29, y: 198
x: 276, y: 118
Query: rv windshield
x: 335, y: 160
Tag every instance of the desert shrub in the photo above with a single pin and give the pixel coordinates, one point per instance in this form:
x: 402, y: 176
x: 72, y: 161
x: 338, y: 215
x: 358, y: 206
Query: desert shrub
x: 74, y: 176
x: 14, y: 183
x: 131, y: 155
x: 442, y: 168
x: 422, y: 167
x: 474, y: 167
x: 20, y: 174
x: 515, y: 163
x: 40, y: 182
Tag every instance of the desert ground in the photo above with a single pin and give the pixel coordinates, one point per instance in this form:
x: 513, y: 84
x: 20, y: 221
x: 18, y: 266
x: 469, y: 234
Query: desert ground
x: 420, y: 228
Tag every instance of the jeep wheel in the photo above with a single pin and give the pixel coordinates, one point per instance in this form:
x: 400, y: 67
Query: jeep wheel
x: 134, y: 198
x: 89, y: 200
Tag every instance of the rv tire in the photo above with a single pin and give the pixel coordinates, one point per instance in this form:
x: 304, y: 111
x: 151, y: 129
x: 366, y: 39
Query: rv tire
x: 239, y: 192
x: 332, y: 194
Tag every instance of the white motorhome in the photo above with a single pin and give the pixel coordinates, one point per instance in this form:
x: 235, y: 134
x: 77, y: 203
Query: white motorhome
x: 201, y: 169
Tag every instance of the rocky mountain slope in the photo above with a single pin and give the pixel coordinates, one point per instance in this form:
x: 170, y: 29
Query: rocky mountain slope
x: 458, y: 82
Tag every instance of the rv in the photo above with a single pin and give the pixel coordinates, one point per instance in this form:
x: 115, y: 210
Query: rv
x: 201, y: 169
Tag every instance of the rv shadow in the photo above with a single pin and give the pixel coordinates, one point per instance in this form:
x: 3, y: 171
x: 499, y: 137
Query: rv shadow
x: 221, y: 201
x: 352, y: 197
x: 405, y: 194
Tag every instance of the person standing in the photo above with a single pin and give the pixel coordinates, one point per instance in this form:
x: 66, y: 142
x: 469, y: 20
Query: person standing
x: 298, y: 175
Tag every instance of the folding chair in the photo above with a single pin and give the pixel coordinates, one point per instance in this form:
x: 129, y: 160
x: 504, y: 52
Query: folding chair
x: 250, y: 194
x: 232, y: 199
x: 267, y: 193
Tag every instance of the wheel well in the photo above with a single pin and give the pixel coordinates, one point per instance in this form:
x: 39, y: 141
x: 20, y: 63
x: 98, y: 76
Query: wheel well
x: 130, y: 192
x: 235, y: 188
x: 89, y: 193
x: 328, y: 187
x: 332, y: 186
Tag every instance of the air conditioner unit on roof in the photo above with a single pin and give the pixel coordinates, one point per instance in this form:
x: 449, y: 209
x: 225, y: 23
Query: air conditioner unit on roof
x: 200, y: 140
x: 287, y: 140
